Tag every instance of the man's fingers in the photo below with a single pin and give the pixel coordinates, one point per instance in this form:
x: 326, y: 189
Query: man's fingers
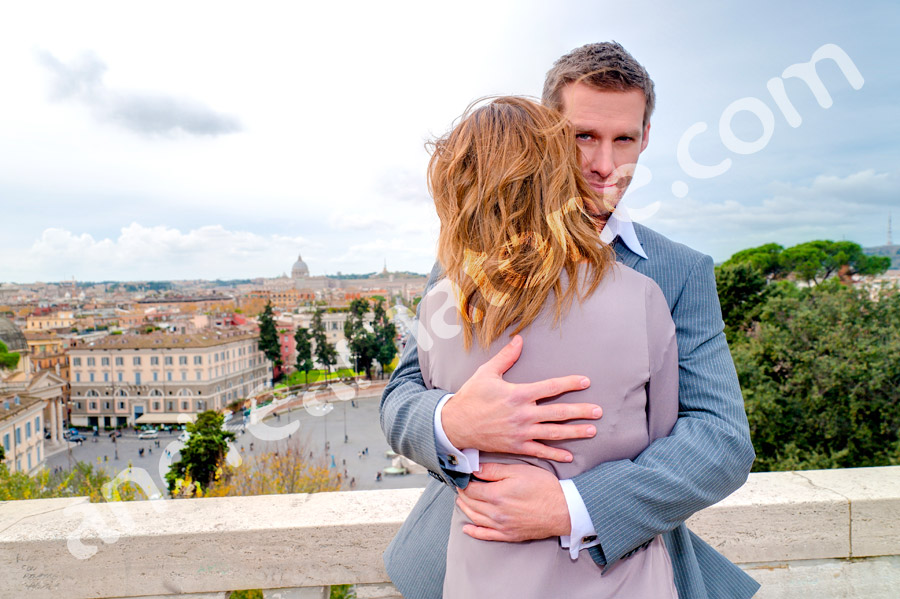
x: 554, y: 387
x: 506, y: 357
x: 492, y: 471
x: 558, y: 432
x: 561, y: 412
x: 477, y: 518
x: 545, y: 452
x: 486, y: 534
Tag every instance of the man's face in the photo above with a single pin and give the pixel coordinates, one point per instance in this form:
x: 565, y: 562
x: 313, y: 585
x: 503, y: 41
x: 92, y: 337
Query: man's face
x: 610, y: 135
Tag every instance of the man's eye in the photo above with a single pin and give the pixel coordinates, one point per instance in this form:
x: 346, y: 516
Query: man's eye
x: 625, y: 139
x: 582, y: 136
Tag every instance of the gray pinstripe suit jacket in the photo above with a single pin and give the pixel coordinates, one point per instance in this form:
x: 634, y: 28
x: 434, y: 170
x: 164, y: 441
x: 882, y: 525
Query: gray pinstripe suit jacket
x: 706, y: 457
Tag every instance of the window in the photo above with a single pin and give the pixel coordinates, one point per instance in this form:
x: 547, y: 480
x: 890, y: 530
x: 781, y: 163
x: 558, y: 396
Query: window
x: 201, y: 405
x: 6, y: 443
x: 136, y: 361
x: 120, y: 376
x: 171, y: 406
x: 154, y: 360
x: 91, y: 377
x: 182, y: 360
x: 184, y: 375
x: 37, y: 424
x: 137, y: 378
x: 104, y: 361
x: 93, y: 405
x: 90, y: 361
x: 155, y: 376
x: 168, y: 360
x: 120, y: 361
x: 184, y: 405
x: 27, y: 430
x: 77, y: 405
x: 156, y: 406
x: 76, y: 361
x: 199, y: 374
x: 105, y: 377
x: 169, y: 376
x: 198, y: 360
x: 121, y: 405
x: 105, y: 405
x: 77, y: 377
x: 18, y: 435
x: 216, y: 357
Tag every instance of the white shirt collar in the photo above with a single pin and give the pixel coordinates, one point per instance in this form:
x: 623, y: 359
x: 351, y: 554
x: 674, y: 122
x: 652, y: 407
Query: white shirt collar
x: 620, y: 225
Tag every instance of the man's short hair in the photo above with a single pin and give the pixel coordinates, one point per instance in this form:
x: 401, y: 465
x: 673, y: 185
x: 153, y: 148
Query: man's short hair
x: 604, y: 66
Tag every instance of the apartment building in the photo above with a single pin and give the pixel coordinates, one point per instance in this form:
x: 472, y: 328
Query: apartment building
x: 117, y: 379
x: 22, y: 431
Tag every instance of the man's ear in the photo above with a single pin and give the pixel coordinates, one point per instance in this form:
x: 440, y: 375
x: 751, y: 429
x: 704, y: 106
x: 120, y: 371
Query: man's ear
x: 645, y: 137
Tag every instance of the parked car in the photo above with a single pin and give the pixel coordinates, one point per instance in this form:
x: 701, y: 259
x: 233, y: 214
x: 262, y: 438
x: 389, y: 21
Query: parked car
x: 152, y: 434
x: 76, y: 437
x: 115, y: 433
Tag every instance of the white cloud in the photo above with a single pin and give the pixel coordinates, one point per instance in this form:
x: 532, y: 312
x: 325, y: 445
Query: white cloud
x: 829, y: 207
x: 141, y: 253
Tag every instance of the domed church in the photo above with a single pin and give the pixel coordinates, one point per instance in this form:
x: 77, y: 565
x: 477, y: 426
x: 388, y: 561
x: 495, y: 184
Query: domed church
x: 300, y: 269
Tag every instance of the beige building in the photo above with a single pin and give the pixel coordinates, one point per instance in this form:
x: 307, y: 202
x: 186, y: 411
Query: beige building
x: 117, y: 379
x: 64, y: 319
x: 22, y: 431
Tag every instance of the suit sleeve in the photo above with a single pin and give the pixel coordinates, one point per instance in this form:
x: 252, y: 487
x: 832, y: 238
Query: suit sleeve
x: 706, y: 457
x: 407, y: 410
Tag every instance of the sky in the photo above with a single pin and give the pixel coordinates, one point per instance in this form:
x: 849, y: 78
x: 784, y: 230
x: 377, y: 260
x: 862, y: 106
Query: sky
x: 175, y: 140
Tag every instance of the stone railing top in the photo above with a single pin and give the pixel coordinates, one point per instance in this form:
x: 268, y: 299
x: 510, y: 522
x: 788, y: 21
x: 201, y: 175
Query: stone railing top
x: 71, y: 548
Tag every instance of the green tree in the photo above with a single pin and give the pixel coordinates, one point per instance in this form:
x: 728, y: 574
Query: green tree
x: 82, y: 480
x: 362, y: 342
x: 815, y: 261
x: 385, y: 334
x: 303, y: 342
x: 203, y: 453
x: 821, y: 379
x: 765, y: 258
x: 742, y: 291
x: 325, y: 352
x: 268, y: 336
x: 8, y: 360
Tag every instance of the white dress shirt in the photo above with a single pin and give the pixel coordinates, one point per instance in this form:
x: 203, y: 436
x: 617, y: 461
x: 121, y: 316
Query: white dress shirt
x: 466, y: 460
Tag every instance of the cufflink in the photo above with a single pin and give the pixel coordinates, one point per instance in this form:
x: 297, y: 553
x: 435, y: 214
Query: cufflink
x: 588, y: 539
x: 452, y: 459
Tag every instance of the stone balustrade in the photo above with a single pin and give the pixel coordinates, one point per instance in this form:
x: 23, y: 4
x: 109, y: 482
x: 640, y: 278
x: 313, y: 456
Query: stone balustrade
x: 820, y: 534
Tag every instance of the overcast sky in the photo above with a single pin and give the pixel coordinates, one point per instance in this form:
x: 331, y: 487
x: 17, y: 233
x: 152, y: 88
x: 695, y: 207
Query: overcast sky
x: 173, y: 140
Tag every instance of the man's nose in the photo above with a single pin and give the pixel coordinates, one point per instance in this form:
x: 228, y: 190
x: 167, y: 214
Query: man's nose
x: 600, y: 160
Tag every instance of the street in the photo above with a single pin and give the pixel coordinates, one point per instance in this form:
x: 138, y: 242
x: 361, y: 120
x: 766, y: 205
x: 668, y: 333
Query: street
x: 310, y: 433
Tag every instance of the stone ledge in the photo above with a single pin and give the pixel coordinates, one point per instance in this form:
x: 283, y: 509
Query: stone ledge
x: 52, y: 548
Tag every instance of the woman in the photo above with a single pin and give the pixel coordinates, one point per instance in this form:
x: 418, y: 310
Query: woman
x: 520, y: 247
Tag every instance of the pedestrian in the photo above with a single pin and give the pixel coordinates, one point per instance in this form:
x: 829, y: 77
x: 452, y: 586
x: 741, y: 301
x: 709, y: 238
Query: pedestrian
x: 378, y: 477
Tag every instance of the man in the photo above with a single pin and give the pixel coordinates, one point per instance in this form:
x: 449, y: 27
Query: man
x: 616, y: 509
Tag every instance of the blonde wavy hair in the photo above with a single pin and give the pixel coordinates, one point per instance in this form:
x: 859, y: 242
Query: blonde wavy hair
x: 515, y: 213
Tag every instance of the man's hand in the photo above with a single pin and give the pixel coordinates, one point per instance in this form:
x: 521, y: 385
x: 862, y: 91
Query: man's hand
x: 489, y: 414
x: 523, y: 503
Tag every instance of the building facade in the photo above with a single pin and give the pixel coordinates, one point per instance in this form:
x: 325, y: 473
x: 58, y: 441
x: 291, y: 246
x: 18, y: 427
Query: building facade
x: 22, y: 432
x: 117, y: 379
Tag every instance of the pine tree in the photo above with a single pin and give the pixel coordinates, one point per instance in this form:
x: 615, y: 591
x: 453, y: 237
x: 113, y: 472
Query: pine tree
x: 303, y: 341
x: 362, y: 342
x: 385, y: 333
x: 326, y: 354
x: 268, y: 336
x: 203, y: 453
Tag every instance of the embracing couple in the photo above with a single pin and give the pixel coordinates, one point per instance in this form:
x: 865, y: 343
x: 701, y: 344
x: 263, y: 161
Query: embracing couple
x: 569, y: 387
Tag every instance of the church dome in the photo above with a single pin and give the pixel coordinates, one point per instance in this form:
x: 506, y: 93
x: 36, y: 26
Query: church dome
x: 300, y: 270
x: 12, y: 337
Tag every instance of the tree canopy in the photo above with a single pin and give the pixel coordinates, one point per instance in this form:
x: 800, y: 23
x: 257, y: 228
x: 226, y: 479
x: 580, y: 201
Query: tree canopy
x: 8, y: 360
x: 326, y: 354
x: 303, y: 347
x: 203, y: 453
x: 268, y: 336
x: 821, y: 379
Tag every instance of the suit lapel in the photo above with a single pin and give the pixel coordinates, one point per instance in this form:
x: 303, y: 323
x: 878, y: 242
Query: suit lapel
x: 624, y: 255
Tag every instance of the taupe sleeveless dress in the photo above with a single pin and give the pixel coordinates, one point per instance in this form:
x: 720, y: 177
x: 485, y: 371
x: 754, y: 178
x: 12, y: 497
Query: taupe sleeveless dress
x: 622, y: 337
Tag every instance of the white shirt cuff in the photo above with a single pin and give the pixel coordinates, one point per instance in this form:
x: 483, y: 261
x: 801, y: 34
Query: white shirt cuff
x: 449, y: 457
x: 583, y: 530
